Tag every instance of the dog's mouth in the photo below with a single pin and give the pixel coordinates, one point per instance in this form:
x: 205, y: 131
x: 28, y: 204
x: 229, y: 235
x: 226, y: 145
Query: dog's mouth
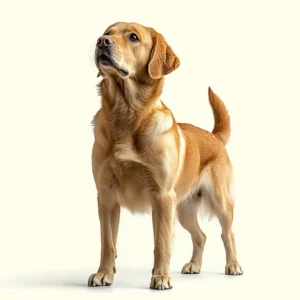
x: 106, y: 60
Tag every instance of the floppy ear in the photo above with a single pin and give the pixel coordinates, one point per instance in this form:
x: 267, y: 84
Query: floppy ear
x: 162, y: 59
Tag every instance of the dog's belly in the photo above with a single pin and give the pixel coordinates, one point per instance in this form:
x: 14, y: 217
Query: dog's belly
x: 135, y: 186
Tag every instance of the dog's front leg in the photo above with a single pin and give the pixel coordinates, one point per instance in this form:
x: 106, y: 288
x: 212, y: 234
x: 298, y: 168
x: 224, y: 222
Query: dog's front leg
x: 163, y: 208
x: 109, y: 214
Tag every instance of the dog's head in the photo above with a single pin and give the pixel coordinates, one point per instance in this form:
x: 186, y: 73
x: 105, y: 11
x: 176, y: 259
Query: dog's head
x: 131, y: 50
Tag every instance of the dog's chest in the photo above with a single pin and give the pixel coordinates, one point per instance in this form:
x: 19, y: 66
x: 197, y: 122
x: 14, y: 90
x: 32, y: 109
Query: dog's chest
x: 133, y: 178
x: 124, y: 151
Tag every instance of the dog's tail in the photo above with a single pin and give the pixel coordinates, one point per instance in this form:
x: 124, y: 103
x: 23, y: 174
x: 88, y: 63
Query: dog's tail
x: 222, y: 119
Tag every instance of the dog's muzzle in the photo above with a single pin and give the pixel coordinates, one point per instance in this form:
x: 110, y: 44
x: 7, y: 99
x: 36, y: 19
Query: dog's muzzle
x: 104, y: 54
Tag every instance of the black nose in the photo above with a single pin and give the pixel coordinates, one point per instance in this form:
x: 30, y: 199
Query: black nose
x: 105, y: 42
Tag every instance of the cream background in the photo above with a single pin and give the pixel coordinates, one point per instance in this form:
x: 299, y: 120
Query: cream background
x: 247, y: 51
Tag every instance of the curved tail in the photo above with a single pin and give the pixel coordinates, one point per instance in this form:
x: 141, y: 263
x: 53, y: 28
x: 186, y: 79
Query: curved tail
x: 222, y: 119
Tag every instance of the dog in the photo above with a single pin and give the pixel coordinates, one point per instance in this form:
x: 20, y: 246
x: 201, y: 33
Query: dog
x: 145, y: 161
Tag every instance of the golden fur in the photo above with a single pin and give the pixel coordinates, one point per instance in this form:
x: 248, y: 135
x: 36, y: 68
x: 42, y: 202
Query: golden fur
x: 145, y: 161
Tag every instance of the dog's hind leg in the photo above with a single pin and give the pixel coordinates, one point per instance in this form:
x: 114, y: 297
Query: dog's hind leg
x: 223, y: 207
x: 188, y: 218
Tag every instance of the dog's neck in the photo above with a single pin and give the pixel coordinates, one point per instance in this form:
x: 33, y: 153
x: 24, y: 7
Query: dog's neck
x: 127, y: 102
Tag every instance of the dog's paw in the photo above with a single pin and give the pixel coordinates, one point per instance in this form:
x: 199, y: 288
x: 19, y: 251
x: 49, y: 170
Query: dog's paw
x: 160, y: 282
x: 191, y: 268
x: 100, y: 279
x: 233, y: 269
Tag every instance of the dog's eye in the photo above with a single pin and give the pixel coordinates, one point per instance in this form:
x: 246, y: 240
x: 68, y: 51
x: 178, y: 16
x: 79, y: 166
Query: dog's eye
x: 133, y: 37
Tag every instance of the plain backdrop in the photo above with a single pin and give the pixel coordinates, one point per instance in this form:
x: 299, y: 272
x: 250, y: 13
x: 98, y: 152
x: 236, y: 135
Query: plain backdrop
x: 247, y: 51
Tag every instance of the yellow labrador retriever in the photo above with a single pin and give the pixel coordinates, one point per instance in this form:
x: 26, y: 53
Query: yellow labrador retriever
x: 145, y: 161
